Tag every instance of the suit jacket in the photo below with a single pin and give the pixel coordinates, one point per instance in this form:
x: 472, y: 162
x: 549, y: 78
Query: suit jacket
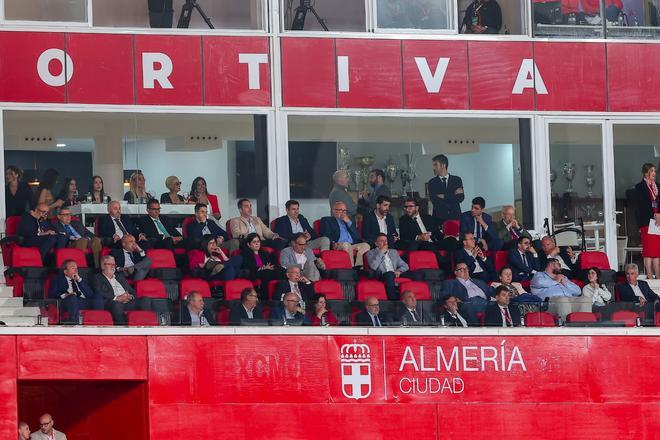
x: 306, y: 290
x: 451, y: 321
x: 520, y: 269
x: 543, y: 260
x: 376, y: 261
x: 454, y: 287
x: 370, y: 228
x: 185, y: 316
x: 38, y: 435
x: 494, y: 317
x: 102, y: 286
x: 364, y: 319
x: 449, y: 207
x: 277, y: 315
x: 644, y: 209
x: 76, y: 225
x: 238, y: 313
x: 490, y: 235
x: 120, y: 258
x: 288, y: 257
x: 404, y: 316
x: 239, y: 228
x: 626, y: 293
x: 28, y: 226
x: 148, y: 227
x: 381, y: 190
x: 250, y: 263
x: 107, y: 226
x: 340, y: 194
x: 60, y: 285
x: 409, y: 229
x: 284, y: 230
x: 461, y: 256
x: 194, y: 229
x: 330, y: 229
x: 504, y: 234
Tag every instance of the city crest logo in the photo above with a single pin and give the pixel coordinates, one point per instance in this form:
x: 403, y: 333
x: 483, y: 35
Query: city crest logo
x: 355, y: 370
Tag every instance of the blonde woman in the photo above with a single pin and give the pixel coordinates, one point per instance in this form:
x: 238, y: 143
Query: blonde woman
x: 137, y: 192
x: 173, y: 184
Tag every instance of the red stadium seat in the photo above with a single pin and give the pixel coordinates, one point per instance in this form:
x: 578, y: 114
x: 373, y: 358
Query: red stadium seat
x: 317, y: 227
x: 657, y: 319
x: 10, y: 242
x: 195, y: 258
x: 161, y: 258
x: 419, y: 288
x: 11, y: 224
x: 96, y: 317
x: 627, y: 317
x: 184, y: 228
x: 451, y: 228
x: 368, y: 288
x: 188, y: 285
x: 540, y: 319
x: 105, y: 251
x: 330, y: 288
x: 581, y: 317
x: 77, y: 255
x: 594, y: 259
x: 272, y: 285
x: 272, y: 225
x: 150, y: 288
x: 501, y: 259
x: 336, y: 260
x: 233, y: 288
x: 228, y: 230
x: 222, y: 316
x: 142, y: 318
x: 96, y: 226
x: 27, y: 257
x: 419, y: 260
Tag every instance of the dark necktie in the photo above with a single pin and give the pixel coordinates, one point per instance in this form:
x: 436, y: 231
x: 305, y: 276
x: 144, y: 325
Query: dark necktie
x: 443, y: 186
x: 120, y: 226
x: 75, y: 288
x: 514, y: 234
x: 524, y: 258
x: 376, y: 321
x: 415, y: 315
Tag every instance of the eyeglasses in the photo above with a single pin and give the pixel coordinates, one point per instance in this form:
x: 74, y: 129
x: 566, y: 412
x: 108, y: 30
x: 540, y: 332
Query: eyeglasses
x: 460, y: 269
x: 409, y: 206
x: 109, y: 264
x: 177, y: 183
x: 43, y: 212
x: 153, y: 209
x: 291, y: 300
x: 373, y: 305
x: 46, y: 423
x: 252, y: 294
x: 340, y: 210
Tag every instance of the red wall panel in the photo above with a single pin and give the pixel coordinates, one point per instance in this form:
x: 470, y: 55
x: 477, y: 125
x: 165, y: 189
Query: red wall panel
x: 82, y: 357
x: 574, y: 74
x: 632, y: 77
x: 8, y: 407
x: 309, y: 74
x: 99, y: 78
x: 453, y: 93
x: 226, y: 79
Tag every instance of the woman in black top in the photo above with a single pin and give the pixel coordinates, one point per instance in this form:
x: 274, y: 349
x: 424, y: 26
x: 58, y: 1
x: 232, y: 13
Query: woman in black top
x: 96, y: 189
x: 173, y: 184
x: 648, y: 209
x: 69, y: 193
x: 17, y: 192
x: 259, y: 264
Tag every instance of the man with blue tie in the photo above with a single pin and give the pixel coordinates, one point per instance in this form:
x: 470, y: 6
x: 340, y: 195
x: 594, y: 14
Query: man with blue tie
x: 524, y: 260
x: 77, y: 234
x: 371, y: 317
x: 157, y: 228
x: 73, y: 292
x: 480, y: 224
x: 343, y: 235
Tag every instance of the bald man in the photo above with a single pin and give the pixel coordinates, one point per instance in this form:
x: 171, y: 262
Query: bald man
x: 46, y: 431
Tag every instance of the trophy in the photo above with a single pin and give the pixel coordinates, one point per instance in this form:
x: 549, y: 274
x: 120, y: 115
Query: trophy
x: 553, y: 177
x: 365, y: 163
x: 391, y: 170
x: 590, y: 179
x: 344, y: 160
x: 568, y: 169
x: 408, y: 174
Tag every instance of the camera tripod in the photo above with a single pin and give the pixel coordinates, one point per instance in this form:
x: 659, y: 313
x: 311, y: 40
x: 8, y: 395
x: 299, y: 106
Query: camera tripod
x: 186, y: 12
x: 298, y: 23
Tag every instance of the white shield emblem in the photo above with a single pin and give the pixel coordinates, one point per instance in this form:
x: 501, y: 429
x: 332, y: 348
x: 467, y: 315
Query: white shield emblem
x: 355, y: 371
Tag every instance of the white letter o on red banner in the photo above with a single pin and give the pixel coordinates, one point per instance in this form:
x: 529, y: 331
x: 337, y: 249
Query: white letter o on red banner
x: 44, y: 73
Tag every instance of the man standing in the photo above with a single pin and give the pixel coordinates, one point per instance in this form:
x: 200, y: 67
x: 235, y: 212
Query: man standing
x: 246, y: 224
x: 78, y: 235
x: 377, y: 182
x: 195, y: 315
x: 499, y: 314
x: 294, y: 223
x: 387, y: 264
x: 46, y: 431
x: 418, y: 231
x: 339, y: 193
x: 36, y: 231
x: 160, y: 233
x: 298, y: 254
x: 73, y: 291
x: 343, y: 235
x: 508, y: 229
x: 480, y: 224
x: 445, y: 191
x: 131, y: 259
x: 524, y: 260
x: 380, y: 221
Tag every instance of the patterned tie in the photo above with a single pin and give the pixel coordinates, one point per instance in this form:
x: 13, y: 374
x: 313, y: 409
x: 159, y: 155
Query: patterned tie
x: 71, y: 232
x: 507, y: 317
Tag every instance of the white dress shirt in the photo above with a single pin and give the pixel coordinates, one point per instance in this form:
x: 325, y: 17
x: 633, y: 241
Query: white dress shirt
x: 301, y: 259
x: 382, y: 224
x: 296, y: 227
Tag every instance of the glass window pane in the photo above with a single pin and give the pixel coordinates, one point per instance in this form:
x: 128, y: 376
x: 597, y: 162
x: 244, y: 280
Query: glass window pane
x: 336, y: 15
x: 46, y: 10
x: 493, y: 17
x: 632, y: 18
x: 413, y: 14
x: 567, y: 18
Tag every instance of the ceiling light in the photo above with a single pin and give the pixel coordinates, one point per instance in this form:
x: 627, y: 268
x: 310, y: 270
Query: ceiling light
x: 60, y: 145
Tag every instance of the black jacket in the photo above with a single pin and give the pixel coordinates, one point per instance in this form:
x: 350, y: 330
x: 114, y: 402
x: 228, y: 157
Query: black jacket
x: 102, y: 286
x: 370, y: 228
x: 283, y: 227
x: 238, y: 313
x: 409, y: 229
x: 107, y: 226
x: 148, y: 227
x: 306, y: 290
x: 494, y: 317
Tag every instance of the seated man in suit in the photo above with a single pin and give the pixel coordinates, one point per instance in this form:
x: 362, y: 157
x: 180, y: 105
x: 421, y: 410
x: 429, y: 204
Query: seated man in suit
x: 638, y: 292
x: 295, y: 282
x: 343, y: 235
x: 201, y: 226
x: 380, y: 221
x: 451, y: 314
x: 473, y: 292
x: 552, y: 283
x: 499, y: 314
x: 293, y: 223
x: 195, y: 315
x: 418, y: 231
x: 115, y: 292
x: 299, y: 254
x: 246, y: 224
x: 480, y: 224
x: 289, y: 310
x: 508, y: 229
x: 78, y: 235
x: 371, y: 317
x: 115, y: 225
x: 567, y: 259
x: 160, y: 232
x: 248, y: 309
x: 524, y: 260
x: 408, y: 313
x: 480, y: 266
x: 131, y: 259
x: 74, y: 292
x: 387, y: 264
x: 36, y: 231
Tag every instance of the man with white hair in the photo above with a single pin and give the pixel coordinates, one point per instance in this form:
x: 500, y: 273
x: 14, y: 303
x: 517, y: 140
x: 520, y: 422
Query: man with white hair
x: 508, y: 229
x: 339, y: 192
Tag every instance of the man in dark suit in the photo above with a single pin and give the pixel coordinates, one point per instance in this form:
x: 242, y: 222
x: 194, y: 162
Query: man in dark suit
x: 371, y: 317
x: 201, y: 226
x: 480, y: 224
x: 73, y: 291
x: 247, y: 309
x: 131, y: 259
x: 474, y: 293
x: 294, y: 223
x: 295, y: 283
x: 499, y: 314
x: 160, y: 232
x: 409, y: 313
x: 194, y: 314
x: 289, y: 310
x: 451, y: 315
x: 78, y: 235
x: 418, y: 231
x: 36, y: 231
x: 445, y: 191
x: 115, y: 225
x: 508, y: 229
x: 343, y: 235
x: 377, y: 182
x: 634, y: 290
x: 380, y: 221
x: 567, y: 258
x: 524, y: 260
x: 115, y: 292
x: 480, y: 266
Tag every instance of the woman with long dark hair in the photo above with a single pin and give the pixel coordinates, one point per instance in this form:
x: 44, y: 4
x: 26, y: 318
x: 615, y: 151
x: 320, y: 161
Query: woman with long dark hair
x: 199, y: 194
x: 44, y: 190
x: 216, y: 264
x: 97, y: 190
x: 259, y: 263
x: 596, y: 290
x: 17, y: 192
x: 69, y: 193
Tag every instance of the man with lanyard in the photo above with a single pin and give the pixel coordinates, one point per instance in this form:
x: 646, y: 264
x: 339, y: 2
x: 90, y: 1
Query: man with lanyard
x: 482, y: 17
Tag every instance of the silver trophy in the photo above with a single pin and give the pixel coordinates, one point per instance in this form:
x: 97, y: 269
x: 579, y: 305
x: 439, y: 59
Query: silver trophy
x: 344, y: 159
x: 553, y: 178
x: 590, y: 179
x: 408, y: 174
x: 391, y: 170
x: 568, y: 169
x: 365, y: 163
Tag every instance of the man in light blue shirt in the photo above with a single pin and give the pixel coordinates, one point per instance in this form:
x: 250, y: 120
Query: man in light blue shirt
x: 552, y: 283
